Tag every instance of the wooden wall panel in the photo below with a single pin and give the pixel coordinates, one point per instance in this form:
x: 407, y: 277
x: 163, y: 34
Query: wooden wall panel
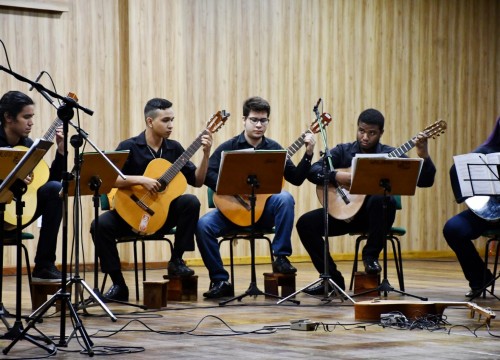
x: 416, y: 61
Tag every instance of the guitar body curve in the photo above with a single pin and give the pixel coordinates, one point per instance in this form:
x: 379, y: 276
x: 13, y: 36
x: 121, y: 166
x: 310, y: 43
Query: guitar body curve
x: 240, y: 215
x: 40, y: 176
x: 145, y: 213
x: 337, y: 208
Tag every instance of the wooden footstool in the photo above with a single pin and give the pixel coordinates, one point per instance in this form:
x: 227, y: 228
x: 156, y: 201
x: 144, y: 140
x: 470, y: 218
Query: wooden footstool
x: 274, y: 281
x: 364, y: 281
x: 41, y: 291
x: 155, y: 294
x: 182, y: 288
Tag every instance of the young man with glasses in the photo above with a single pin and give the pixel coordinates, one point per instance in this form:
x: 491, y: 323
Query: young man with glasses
x: 278, y: 210
x: 370, y: 217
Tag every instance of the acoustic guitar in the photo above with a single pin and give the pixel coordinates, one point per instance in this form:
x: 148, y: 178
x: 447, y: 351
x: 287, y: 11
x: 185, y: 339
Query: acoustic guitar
x: 146, y: 213
x: 39, y: 177
x: 237, y: 207
x: 338, y: 209
x: 372, y: 309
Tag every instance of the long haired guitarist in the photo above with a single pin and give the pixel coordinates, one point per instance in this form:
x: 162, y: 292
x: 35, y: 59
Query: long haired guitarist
x: 470, y: 224
x: 369, y: 218
x: 278, y: 210
x: 17, y: 111
x: 152, y: 146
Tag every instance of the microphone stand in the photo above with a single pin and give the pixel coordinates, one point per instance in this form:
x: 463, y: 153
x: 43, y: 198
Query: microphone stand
x: 329, y: 286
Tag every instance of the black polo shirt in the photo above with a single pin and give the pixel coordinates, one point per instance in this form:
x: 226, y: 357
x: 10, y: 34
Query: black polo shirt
x: 342, y: 155
x: 293, y: 174
x: 140, y: 155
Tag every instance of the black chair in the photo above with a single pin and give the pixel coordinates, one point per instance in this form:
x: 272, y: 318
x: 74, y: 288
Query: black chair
x: 393, y: 238
x: 242, y: 233
x: 493, y: 236
x: 10, y: 240
x: 134, y: 240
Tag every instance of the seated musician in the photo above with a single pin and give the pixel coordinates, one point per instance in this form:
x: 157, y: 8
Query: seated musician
x: 17, y: 111
x: 461, y: 229
x: 369, y: 218
x: 278, y: 210
x: 184, y: 210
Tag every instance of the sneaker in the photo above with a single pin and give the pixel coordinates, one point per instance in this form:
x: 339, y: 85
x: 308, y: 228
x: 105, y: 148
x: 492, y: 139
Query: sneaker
x: 177, y: 267
x: 50, y: 274
x: 282, y: 265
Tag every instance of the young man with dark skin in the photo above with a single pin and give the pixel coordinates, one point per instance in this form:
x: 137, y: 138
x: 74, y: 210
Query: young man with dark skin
x: 17, y: 111
x: 184, y: 210
x: 278, y: 210
x: 370, y: 217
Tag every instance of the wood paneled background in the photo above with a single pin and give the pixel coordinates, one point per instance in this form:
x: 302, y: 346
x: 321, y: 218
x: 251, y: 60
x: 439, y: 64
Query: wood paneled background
x: 417, y: 61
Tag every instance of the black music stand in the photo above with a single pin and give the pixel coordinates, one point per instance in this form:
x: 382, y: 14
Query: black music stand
x: 99, y: 177
x: 251, y: 172
x: 13, y: 187
x: 10, y: 157
x: 385, y: 176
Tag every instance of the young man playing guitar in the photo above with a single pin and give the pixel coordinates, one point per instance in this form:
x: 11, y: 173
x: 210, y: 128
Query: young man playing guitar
x: 369, y: 218
x: 17, y: 111
x: 461, y: 229
x: 278, y: 209
x: 153, y: 143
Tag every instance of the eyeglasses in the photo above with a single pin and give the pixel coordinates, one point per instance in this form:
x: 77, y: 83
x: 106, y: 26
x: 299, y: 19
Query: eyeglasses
x: 263, y: 121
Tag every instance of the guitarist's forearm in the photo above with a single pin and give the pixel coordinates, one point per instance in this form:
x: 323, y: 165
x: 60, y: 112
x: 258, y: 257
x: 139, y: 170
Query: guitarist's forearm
x: 201, y: 172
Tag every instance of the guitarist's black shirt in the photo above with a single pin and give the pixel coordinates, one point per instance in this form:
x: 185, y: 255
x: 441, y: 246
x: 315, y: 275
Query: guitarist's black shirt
x: 295, y: 175
x: 343, y: 154
x: 140, y: 156
x: 56, y: 168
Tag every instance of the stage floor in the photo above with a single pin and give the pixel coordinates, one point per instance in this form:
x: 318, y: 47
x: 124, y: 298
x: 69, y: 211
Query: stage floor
x: 258, y: 328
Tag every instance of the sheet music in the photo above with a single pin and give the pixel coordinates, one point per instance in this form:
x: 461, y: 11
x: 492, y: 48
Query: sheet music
x: 478, y: 173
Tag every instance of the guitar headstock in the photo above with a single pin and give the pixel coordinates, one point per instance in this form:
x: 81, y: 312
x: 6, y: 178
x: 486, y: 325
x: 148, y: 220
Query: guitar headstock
x: 325, y: 120
x: 217, y: 120
x: 73, y: 96
x: 435, y: 129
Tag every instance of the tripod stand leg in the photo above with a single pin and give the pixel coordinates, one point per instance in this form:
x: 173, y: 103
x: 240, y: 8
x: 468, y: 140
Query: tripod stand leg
x: 96, y: 298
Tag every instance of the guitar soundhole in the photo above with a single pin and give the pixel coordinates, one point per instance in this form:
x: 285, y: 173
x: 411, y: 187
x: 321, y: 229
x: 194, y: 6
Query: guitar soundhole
x: 163, y: 185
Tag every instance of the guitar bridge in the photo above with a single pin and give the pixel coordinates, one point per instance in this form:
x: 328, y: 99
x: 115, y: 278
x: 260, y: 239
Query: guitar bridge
x: 141, y: 204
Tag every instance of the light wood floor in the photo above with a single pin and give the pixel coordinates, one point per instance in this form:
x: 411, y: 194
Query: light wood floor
x: 258, y: 328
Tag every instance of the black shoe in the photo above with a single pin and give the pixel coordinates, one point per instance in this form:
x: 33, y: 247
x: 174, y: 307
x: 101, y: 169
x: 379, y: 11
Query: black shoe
x: 219, y: 289
x: 282, y: 265
x: 475, y: 289
x: 116, y: 292
x: 49, y: 274
x: 372, y: 266
x: 318, y: 289
x: 472, y: 293
x: 177, y: 267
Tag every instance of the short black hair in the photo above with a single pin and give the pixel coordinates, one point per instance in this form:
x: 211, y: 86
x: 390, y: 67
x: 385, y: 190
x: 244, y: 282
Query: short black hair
x: 12, y: 103
x: 256, y: 103
x: 372, y: 117
x: 155, y: 104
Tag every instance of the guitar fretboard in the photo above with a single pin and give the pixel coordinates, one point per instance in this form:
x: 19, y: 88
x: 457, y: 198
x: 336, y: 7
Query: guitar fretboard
x: 51, y: 132
x: 173, y: 170
x: 407, y: 146
x: 297, y: 144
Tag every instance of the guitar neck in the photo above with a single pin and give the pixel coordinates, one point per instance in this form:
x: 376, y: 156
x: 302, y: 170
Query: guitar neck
x: 297, y: 144
x: 403, y: 149
x: 167, y: 177
x: 51, y: 132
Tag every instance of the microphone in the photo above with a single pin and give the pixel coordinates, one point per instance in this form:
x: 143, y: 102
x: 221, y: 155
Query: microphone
x: 37, y: 79
x: 315, y: 106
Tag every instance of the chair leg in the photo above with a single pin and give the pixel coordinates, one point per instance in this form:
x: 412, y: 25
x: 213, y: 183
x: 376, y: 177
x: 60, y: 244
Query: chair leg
x: 495, y: 267
x: 402, y: 280
x: 136, y: 271
x: 28, y: 268
x: 396, y: 260
x: 355, y: 263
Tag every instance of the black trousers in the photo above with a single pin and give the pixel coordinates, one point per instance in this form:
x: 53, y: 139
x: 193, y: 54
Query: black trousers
x: 369, y: 219
x: 183, y: 214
